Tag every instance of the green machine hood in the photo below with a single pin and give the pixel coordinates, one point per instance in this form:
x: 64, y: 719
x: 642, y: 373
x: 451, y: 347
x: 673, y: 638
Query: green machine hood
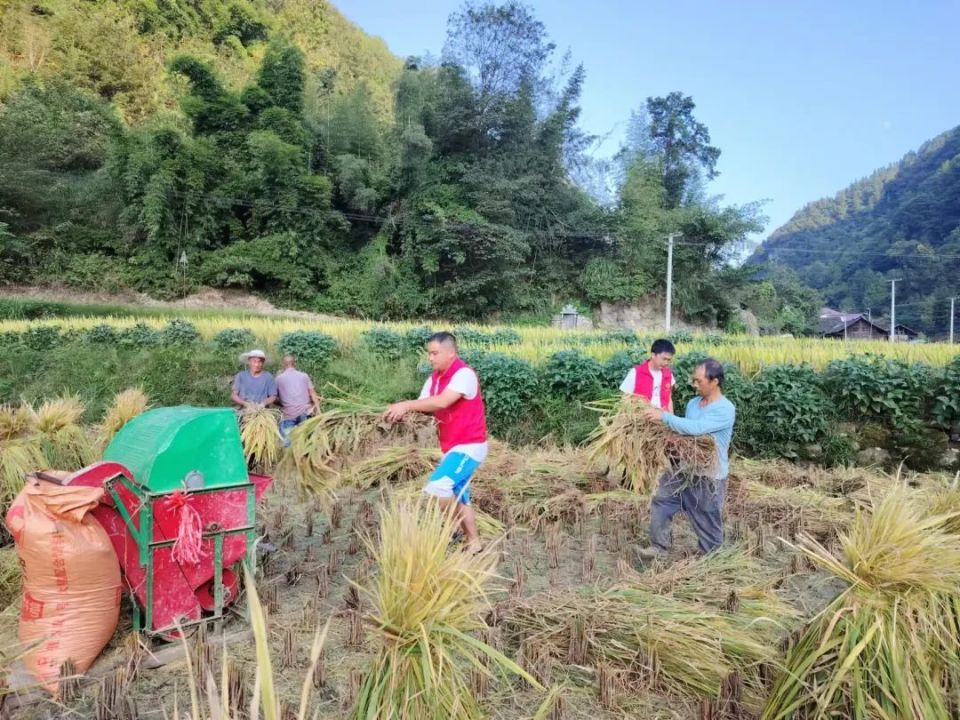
x: 165, y: 447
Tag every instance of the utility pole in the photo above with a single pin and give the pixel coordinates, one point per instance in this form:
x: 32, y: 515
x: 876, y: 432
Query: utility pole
x: 670, y: 237
x: 893, y: 310
x: 951, y: 319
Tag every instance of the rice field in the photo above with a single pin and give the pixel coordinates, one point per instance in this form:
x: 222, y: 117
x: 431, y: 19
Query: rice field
x: 537, y: 344
x: 834, y: 596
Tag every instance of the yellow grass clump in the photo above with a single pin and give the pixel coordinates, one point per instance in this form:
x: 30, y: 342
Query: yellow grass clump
x: 126, y: 406
x: 429, y: 606
x: 260, y: 434
x: 637, y: 451
x: 889, y: 645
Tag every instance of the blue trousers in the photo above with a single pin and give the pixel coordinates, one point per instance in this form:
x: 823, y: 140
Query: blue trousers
x: 702, y: 501
x: 287, y: 425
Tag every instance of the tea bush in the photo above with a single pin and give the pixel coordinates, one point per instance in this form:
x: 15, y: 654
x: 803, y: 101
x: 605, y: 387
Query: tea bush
x: 416, y: 338
x: 179, y: 332
x: 102, y: 335
x: 510, y: 388
x: 946, y: 403
x: 571, y: 375
x: 313, y: 348
x: 384, y: 343
x: 140, y: 335
x: 234, y: 339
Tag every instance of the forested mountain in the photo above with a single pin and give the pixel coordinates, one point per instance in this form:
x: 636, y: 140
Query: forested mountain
x: 903, y: 221
x: 270, y: 145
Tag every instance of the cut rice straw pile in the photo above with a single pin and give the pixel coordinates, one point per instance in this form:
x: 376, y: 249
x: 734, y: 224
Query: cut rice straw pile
x: 10, y: 576
x: 637, y: 451
x: 260, y: 434
x: 126, y: 406
x: 662, y: 642
x: 797, y: 508
x: 18, y: 458
x: 889, y: 645
x: 429, y: 605
x: 16, y: 421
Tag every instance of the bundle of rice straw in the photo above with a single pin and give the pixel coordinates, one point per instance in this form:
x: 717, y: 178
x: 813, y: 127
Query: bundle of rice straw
x: 393, y: 465
x: 661, y: 642
x: 429, y: 606
x: 803, y: 508
x: 16, y: 421
x: 126, y: 406
x: 889, y: 645
x: 637, y: 451
x: 321, y: 446
x: 487, y: 525
x: 65, y: 443
x: 260, y: 434
x: 18, y: 458
x: 10, y: 576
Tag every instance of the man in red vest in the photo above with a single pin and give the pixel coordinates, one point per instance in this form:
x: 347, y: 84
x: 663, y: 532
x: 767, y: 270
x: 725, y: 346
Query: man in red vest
x: 652, y: 380
x: 452, y: 395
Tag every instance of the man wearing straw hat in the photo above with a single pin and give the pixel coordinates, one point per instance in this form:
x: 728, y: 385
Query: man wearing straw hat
x: 700, y: 497
x: 452, y: 395
x: 254, y: 386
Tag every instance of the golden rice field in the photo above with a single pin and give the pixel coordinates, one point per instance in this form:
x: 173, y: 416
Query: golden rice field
x: 538, y: 343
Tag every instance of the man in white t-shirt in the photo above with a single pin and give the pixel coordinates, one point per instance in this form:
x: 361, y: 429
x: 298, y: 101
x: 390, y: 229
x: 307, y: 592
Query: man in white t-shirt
x: 653, y: 380
x: 452, y: 395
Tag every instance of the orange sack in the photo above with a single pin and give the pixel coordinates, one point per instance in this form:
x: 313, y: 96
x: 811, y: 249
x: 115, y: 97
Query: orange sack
x: 71, y: 578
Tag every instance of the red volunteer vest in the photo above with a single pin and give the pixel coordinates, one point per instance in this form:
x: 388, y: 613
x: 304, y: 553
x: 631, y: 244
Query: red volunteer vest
x: 644, y: 384
x: 465, y: 421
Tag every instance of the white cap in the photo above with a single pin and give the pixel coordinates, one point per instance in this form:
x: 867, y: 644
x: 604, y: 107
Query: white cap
x: 253, y: 354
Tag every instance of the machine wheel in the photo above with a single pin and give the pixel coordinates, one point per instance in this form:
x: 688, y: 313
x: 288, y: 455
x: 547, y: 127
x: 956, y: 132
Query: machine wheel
x: 231, y: 586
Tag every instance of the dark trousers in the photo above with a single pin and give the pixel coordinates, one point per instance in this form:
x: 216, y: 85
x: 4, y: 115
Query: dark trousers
x: 702, y: 501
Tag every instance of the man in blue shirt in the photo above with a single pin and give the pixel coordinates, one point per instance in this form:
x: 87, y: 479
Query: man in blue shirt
x: 700, y: 497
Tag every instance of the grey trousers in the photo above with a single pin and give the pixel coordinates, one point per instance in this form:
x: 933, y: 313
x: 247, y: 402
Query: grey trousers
x: 702, y: 501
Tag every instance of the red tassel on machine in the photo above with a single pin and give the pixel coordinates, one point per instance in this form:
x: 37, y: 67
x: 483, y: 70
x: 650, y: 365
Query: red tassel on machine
x: 188, y: 549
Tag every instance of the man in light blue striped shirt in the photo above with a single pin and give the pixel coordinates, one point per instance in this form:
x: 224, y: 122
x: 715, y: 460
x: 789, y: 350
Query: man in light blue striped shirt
x: 700, y: 497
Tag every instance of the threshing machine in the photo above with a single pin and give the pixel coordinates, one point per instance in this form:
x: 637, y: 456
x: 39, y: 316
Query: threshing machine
x: 180, y: 509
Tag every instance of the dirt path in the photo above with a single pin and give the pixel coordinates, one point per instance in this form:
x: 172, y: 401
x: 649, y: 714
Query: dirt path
x: 205, y: 299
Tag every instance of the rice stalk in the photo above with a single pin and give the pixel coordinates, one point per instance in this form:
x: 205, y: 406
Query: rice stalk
x: 66, y: 445
x: 260, y: 434
x: 16, y: 421
x: 18, y: 458
x: 888, y: 646
x: 636, y: 451
x: 126, y: 405
x: 393, y: 465
x: 10, y: 576
x: 805, y: 508
x: 430, y: 604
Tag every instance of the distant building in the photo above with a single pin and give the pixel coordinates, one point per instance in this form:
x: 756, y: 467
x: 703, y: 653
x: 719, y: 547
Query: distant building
x: 841, y: 325
x: 849, y: 326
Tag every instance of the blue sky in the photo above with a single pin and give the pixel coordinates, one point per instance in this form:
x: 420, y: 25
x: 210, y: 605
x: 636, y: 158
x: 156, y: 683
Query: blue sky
x: 802, y: 97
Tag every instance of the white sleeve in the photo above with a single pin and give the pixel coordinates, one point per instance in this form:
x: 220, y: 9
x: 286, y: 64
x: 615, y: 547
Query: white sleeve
x: 425, y: 392
x: 629, y: 383
x: 465, y: 382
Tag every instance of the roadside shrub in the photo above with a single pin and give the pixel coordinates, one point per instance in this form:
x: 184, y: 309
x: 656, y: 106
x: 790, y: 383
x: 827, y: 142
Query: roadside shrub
x: 416, y: 338
x: 179, y: 332
x: 102, y: 335
x: 42, y: 337
x: 509, y: 385
x: 946, y: 404
x: 140, y: 335
x: 782, y: 409
x: 234, y: 339
x: 617, y: 366
x: 889, y: 391
x: 308, y: 346
x: 571, y: 375
x: 384, y: 343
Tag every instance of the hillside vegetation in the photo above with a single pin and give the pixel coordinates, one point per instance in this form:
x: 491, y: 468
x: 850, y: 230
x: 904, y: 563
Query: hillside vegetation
x: 273, y: 147
x: 903, y: 221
